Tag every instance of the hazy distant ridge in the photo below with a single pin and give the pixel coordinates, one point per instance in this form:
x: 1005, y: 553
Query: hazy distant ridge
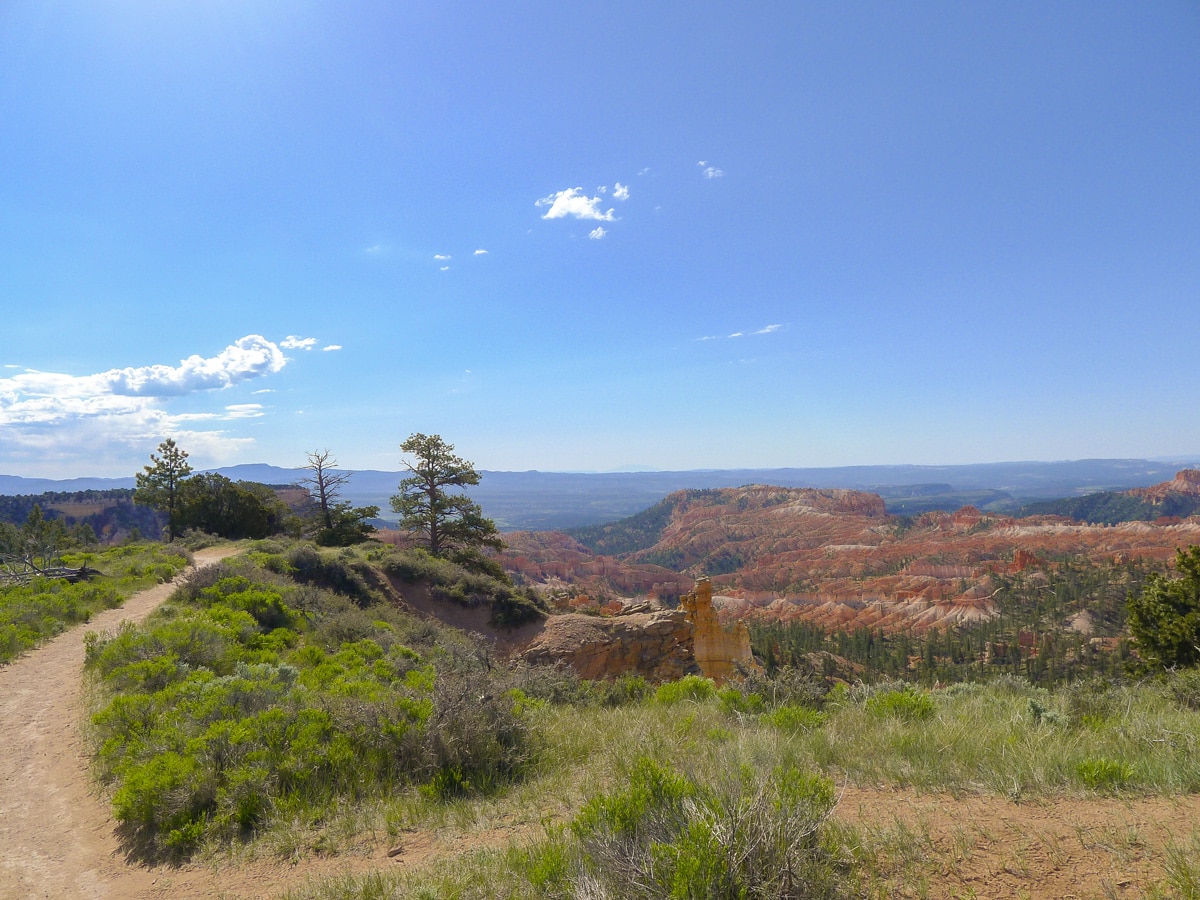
x: 550, y: 500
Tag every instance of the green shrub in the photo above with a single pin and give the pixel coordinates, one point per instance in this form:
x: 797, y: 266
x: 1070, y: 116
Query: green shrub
x: 734, y: 701
x: 31, y: 613
x: 906, y: 704
x: 1102, y: 774
x: 796, y: 718
x: 334, y: 571
x: 749, y: 834
x: 1184, y: 688
x: 230, y: 708
x: 690, y: 687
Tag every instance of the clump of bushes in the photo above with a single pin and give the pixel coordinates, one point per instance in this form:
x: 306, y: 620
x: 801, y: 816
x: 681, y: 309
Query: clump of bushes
x: 905, y: 703
x: 248, y: 698
x: 667, y: 834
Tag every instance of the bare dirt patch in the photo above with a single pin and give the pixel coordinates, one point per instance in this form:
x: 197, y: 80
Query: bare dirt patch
x: 1057, y: 849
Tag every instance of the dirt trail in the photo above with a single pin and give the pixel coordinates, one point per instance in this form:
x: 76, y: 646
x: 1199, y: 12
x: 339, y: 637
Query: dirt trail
x: 56, y: 836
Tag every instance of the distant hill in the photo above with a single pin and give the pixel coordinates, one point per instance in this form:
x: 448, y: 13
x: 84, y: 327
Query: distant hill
x: 558, y: 500
x: 1177, y: 498
x: 111, y: 514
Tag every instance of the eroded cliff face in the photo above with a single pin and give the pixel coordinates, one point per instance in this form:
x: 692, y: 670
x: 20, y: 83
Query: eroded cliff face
x: 556, y: 562
x: 835, y: 558
x: 1186, y: 482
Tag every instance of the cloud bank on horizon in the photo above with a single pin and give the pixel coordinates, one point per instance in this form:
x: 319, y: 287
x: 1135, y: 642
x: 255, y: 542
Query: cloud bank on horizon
x: 56, y: 416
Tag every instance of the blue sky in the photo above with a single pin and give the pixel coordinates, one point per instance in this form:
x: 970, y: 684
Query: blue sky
x: 582, y: 236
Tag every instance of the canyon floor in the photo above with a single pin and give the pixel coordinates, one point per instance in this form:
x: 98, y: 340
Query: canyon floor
x: 59, y: 839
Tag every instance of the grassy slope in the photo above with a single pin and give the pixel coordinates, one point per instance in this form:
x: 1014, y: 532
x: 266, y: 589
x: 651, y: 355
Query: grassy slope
x: 30, y: 614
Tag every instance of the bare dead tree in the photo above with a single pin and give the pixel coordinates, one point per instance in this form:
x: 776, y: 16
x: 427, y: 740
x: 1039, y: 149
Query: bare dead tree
x: 324, y: 482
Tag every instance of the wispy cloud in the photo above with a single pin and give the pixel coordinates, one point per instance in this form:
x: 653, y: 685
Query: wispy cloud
x: 575, y: 204
x: 767, y: 329
x: 480, y: 252
x: 330, y: 347
x: 445, y: 269
x: 597, y: 233
x: 291, y: 342
x: 709, y: 171
x: 621, y: 191
x: 243, y: 411
x: 441, y: 257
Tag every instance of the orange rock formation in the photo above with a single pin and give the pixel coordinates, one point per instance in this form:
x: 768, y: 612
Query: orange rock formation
x: 719, y: 650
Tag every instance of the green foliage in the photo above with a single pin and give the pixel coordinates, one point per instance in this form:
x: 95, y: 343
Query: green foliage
x: 243, y: 509
x: 444, y: 521
x: 453, y: 583
x: 796, y: 718
x: 692, y: 688
x: 31, y: 613
x: 629, y: 535
x: 668, y: 835
x: 906, y: 703
x: 238, y: 704
x: 89, y: 517
x: 348, y: 525
x: 1165, y: 616
x: 158, y: 485
x: 1102, y: 774
x: 350, y: 576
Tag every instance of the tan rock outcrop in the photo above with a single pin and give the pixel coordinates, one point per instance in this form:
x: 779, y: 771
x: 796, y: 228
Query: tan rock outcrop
x: 719, y: 650
x: 656, y: 645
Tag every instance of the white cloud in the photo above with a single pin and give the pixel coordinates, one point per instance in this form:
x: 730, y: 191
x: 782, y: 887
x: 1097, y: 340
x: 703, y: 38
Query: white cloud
x: 597, y: 233
x: 768, y: 329
x: 572, y: 202
x: 329, y: 347
x: 645, y: 171
x: 713, y: 172
x: 480, y: 252
x: 243, y: 411
x: 53, y: 420
x: 248, y: 357
x: 445, y: 268
x: 291, y: 342
x: 621, y: 191
x: 374, y: 248
x: 441, y: 257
